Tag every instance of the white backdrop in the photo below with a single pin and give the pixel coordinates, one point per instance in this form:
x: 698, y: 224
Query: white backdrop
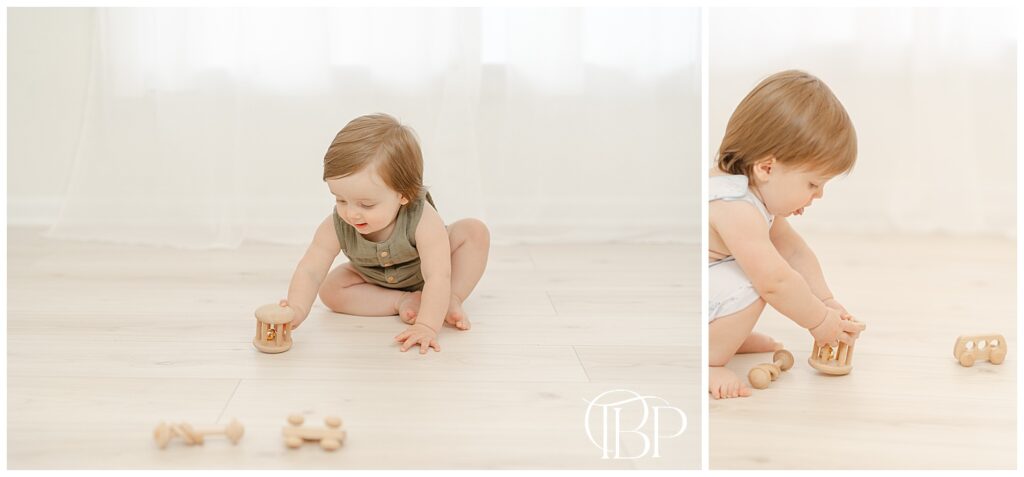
x: 206, y: 127
x: 932, y: 93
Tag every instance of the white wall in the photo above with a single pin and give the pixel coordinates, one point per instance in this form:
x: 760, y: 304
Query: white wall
x: 47, y: 71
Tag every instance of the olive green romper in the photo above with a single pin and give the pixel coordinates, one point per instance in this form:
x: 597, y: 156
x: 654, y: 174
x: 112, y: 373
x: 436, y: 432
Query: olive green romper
x: 393, y: 263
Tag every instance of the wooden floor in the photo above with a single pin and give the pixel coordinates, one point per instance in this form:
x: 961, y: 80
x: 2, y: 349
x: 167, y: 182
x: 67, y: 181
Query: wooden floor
x: 104, y: 341
x: 907, y: 403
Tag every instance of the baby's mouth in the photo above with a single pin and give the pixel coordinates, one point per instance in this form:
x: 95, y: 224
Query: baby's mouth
x: 360, y: 226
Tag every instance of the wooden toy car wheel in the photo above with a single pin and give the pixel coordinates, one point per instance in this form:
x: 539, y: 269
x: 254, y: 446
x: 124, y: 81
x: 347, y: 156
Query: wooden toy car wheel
x: 293, y: 441
x: 967, y: 359
x: 997, y: 356
x: 329, y: 444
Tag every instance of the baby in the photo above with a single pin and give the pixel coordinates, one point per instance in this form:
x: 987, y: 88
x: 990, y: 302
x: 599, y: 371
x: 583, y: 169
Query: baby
x: 784, y: 142
x: 402, y: 259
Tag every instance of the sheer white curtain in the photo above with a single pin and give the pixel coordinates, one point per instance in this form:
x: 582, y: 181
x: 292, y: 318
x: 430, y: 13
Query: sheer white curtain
x: 207, y: 127
x: 931, y: 91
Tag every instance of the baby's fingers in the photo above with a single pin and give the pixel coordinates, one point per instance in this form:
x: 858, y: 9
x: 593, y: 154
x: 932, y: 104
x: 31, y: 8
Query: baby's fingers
x: 851, y: 326
x: 409, y: 342
x: 403, y: 335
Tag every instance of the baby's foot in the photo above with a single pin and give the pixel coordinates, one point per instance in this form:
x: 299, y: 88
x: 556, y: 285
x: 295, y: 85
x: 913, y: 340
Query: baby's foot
x: 724, y: 384
x: 456, y: 315
x: 759, y: 343
x: 408, y: 306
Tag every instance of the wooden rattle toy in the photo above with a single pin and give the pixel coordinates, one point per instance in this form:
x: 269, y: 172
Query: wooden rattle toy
x: 330, y: 437
x: 836, y: 361
x: 273, y: 332
x: 762, y: 375
x: 164, y: 432
x: 969, y: 348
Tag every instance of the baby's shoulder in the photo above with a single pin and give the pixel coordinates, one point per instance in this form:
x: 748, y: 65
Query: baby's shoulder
x: 737, y: 218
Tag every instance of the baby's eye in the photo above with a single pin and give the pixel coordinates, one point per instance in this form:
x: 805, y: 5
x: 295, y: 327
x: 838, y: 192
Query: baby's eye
x: 367, y: 206
x: 813, y: 185
x: 341, y: 201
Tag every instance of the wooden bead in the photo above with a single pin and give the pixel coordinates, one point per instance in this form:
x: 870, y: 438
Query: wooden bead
x: 296, y: 419
x: 759, y: 377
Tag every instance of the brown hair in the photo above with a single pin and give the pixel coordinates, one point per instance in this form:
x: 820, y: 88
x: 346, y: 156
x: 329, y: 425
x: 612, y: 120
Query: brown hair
x: 794, y: 117
x: 378, y: 140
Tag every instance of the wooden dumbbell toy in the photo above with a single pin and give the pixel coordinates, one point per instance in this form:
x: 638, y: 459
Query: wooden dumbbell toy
x: 164, y: 432
x: 330, y: 437
x: 762, y: 375
x: 273, y: 332
x: 969, y: 348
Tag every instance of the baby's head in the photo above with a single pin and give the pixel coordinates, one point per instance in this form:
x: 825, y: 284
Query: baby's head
x: 373, y: 167
x: 789, y: 136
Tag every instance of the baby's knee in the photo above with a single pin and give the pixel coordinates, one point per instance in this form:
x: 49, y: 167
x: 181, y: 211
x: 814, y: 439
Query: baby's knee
x: 329, y: 297
x: 475, y: 231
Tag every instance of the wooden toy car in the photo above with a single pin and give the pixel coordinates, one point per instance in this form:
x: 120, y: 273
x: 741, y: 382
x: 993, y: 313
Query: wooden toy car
x: 970, y: 348
x: 330, y: 437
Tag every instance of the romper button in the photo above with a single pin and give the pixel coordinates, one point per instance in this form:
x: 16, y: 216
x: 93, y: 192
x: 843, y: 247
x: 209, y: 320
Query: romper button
x: 391, y: 279
x: 383, y: 254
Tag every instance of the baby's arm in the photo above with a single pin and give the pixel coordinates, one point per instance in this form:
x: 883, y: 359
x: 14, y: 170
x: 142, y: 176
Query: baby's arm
x: 746, y: 235
x: 795, y: 251
x: 436, y: 266
x: 312, y: 269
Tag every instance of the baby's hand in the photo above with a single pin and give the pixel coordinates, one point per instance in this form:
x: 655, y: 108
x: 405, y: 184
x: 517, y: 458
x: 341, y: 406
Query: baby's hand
x: 843, y: 314
x: 420, y: 334
x: 835, y: 329
x: 298, y: 316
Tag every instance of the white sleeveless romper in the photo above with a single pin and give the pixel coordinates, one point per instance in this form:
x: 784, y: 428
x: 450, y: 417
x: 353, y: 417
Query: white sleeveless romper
x: 729, y: 289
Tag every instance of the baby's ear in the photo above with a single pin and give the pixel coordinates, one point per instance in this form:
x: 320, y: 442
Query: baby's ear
x: 403, y: 200
x: 764, y: 166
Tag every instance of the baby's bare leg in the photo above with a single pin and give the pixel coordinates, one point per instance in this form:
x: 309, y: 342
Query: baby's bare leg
x: 725, y: 336
x: 470, y: 242
x: 345, y: 291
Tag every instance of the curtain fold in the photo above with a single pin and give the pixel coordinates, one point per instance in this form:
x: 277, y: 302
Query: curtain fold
x: 206, y: 127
